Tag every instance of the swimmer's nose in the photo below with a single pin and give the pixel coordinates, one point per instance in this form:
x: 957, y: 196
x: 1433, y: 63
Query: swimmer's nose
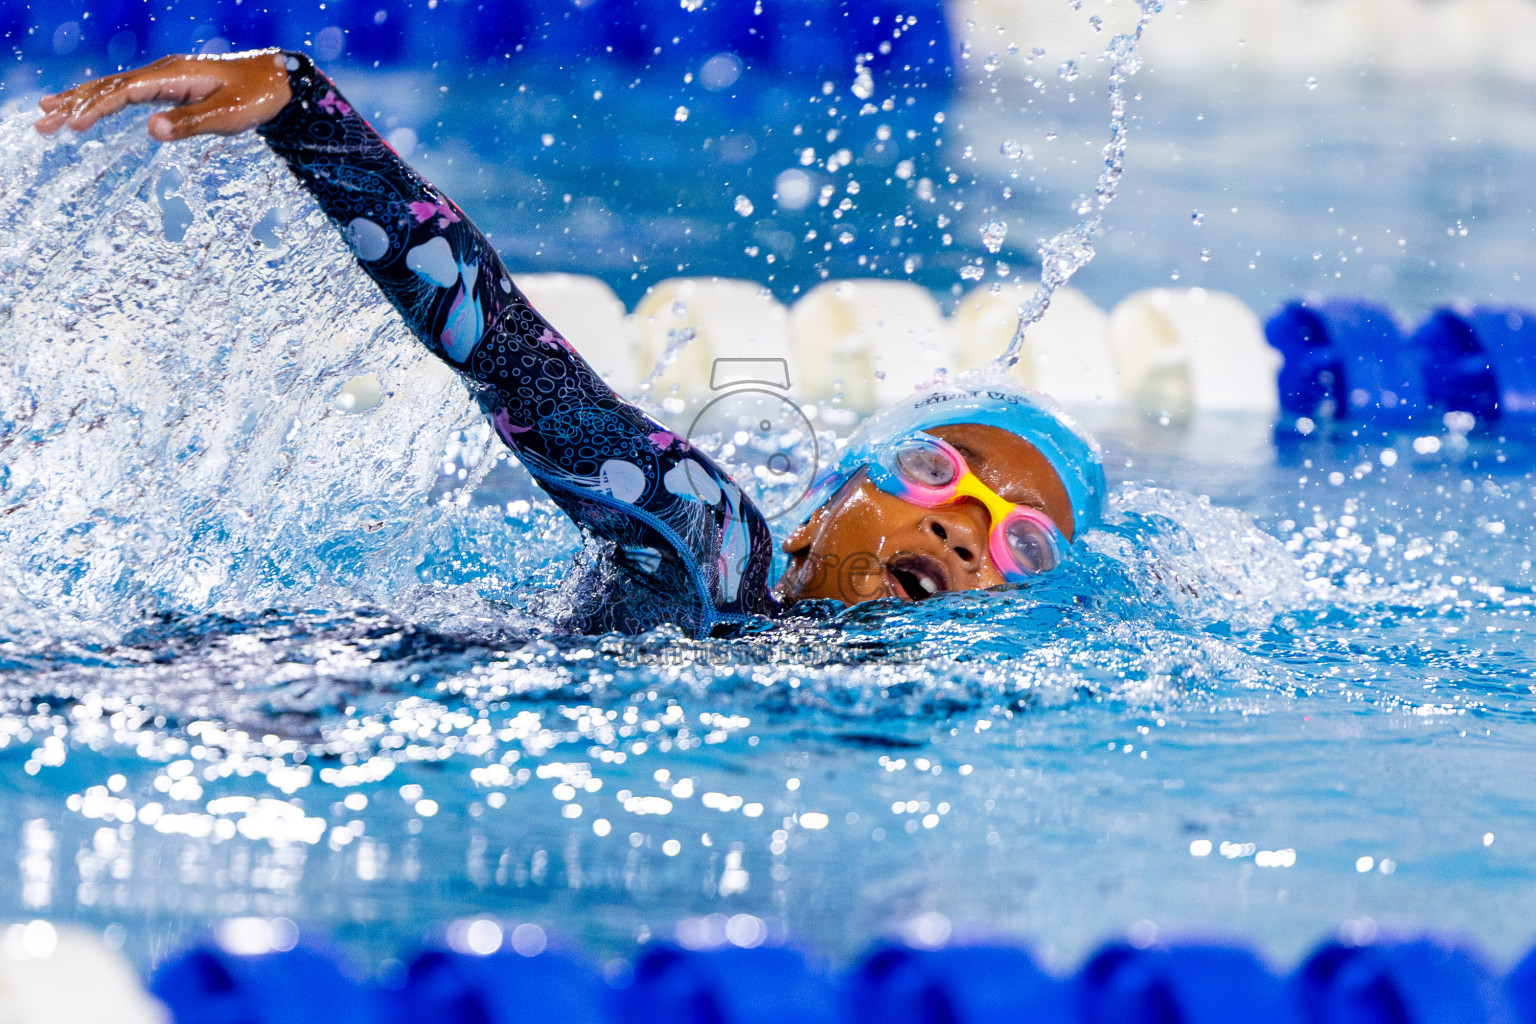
x: 962, y: 529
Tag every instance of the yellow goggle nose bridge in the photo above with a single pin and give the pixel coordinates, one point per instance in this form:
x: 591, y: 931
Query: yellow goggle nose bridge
x: 970, y: 486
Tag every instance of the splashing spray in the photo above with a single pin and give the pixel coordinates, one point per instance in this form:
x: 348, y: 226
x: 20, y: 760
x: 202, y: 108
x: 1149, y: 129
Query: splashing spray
x: 678, y: 338
x: 1069, y: 251
x: 172, y: 435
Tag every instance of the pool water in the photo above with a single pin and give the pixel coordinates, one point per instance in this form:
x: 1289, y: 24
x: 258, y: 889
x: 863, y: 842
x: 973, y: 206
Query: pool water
x: 261, y: 657
x: 1202, y: 723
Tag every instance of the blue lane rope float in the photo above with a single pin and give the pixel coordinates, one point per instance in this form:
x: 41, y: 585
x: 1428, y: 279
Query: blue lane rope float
x: 1520, y: 989
x: 445, y: 986
x: 764, y: 985
x: 1480, y: 360
x: 307, y: 984
x: 1192, y: 983
x: 1197, y: 983
x: 1346, y: 359
x: 1419, y: 980
x: 1410, y: 981
x: 977, y: 984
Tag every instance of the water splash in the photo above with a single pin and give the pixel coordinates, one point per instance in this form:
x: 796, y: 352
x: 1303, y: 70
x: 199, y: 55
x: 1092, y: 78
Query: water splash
x: 1202, y: 562
x: 1069, y: 251
x: 993, y: 234
x: 181, y: 325
x: 678, y: 338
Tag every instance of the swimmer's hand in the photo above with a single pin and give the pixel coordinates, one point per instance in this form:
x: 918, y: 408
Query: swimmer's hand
x: 222, y: 94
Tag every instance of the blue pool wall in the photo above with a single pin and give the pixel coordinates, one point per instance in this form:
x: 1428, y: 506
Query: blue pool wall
x: 796, y: 38
x: 1406, y: 980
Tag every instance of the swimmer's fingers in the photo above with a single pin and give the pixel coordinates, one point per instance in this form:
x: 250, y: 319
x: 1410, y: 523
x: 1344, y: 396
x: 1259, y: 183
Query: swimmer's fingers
x: 69, y: 98
x: 88, y: 102
x: 213, y: 96
x: 84, y: 106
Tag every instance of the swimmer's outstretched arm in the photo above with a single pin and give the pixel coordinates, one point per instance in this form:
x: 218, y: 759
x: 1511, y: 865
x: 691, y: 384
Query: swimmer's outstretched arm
x: 694, y: 549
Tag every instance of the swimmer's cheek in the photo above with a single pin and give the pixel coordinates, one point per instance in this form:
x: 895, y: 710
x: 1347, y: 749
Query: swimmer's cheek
x: 814, y: 580
x: 862, y: 578
x: 858, y: 578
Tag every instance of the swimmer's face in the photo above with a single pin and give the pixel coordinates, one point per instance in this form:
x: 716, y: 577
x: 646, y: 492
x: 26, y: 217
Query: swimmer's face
x: 865, y: 544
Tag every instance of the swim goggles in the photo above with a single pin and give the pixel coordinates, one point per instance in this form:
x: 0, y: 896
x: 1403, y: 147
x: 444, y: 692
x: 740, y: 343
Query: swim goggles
x: 924, y: 470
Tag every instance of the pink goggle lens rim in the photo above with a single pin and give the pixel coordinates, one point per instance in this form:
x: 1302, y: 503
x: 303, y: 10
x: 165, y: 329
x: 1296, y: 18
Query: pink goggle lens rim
x: 928, y: 470
x: 1025, y: 543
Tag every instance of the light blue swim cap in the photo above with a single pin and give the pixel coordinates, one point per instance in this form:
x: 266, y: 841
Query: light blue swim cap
x: 1027, y: 414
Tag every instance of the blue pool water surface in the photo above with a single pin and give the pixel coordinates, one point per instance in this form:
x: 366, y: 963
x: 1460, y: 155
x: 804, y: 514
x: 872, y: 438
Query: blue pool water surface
x: 261, y: 658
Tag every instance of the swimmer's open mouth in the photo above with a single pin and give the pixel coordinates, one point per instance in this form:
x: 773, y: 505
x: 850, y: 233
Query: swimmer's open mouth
x: 917, y: 577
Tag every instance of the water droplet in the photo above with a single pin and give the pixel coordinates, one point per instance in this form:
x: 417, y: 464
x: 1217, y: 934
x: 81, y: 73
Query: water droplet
x: 863, y: 84
x: 691, y: 5
x: 992, y: 63
x: 1312, y: 83
x: 972, y: 272
x: 1097, y: 22
x: 1068, y: 71
x: 1196, y: 217
x: 681, y: 115
x: 1122, y: 54
x: 1050, y: 136
x: 744, y: 206
x: 1012, y: 149
x: 993, y: 234
x: 1205, y: 255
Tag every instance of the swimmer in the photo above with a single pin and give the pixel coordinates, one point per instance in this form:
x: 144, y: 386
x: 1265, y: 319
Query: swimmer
x: 954, y: 488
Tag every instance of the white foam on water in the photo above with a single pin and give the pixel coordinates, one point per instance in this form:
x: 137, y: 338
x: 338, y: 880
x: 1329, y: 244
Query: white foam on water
x: 1205, y: 562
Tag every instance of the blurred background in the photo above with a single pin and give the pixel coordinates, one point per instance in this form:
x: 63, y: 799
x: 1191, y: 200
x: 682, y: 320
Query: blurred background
x: 1277, y: 148
x: 1277, y: 145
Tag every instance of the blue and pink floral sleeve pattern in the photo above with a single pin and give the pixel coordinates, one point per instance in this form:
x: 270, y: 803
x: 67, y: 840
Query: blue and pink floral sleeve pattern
x: 689, y: 548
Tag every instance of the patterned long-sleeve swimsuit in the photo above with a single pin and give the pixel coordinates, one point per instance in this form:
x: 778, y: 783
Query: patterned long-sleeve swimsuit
x: 684, y: 545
